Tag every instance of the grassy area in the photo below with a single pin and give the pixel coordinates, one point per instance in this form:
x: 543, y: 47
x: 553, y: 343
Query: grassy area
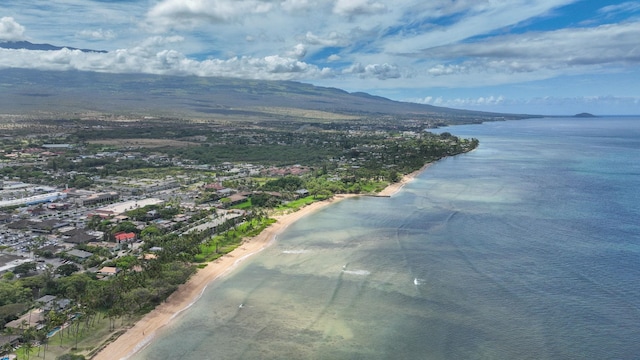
x: 261, y: 180
x: 225, y: 243
x: 243, y: 205
x: 297, y: 204
x: 89, y: 340
x: 373, y: 187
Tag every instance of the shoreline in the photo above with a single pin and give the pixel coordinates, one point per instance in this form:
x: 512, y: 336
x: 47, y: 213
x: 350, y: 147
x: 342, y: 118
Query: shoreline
x: 142, y: 333
x: 392, y: 189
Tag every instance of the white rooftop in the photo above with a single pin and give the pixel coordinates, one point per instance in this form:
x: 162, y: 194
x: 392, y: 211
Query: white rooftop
x: 121, y: 207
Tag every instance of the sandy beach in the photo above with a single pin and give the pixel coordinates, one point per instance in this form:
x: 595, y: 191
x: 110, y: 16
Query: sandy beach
x: 145, y: 329
x: 395, y: 187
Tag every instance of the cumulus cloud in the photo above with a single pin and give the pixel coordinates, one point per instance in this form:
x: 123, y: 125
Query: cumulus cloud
x: 150, y: 46
x: 180, y: 13
x: 378, y: 71
x: 10, y: 30
x: 143, y: 59
x: 298, y: 52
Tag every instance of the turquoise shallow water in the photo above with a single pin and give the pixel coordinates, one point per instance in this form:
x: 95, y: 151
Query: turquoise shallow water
x: 527, y: 248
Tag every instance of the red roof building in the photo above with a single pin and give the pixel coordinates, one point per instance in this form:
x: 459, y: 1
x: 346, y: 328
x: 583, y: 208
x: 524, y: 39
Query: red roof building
x: 125, y: 237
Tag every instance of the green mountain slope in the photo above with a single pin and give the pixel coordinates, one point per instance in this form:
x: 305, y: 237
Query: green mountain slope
x: 53, y: 92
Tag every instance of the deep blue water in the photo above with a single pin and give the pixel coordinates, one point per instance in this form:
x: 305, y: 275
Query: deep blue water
x: 527, y: 248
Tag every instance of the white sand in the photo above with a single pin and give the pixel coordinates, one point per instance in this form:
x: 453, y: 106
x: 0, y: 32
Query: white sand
x: 144, y: 330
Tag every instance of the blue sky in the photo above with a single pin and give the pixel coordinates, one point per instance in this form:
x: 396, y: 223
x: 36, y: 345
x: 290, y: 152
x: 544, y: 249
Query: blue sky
x: 520, y: 56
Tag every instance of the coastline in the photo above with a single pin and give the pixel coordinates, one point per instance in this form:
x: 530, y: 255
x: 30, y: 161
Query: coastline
x: 392, y: 189
x: 143, y: 331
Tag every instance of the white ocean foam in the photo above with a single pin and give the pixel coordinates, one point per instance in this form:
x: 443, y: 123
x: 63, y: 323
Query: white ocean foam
x: 295, y: 251
x: 357, y: 272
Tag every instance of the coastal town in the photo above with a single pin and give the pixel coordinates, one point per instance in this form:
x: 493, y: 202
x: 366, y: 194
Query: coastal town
x: 98, y: 230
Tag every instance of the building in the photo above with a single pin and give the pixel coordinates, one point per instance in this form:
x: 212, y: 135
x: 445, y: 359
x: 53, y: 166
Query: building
x: 78, y: 236
x: 80, y: 254
x: 108, y: 271
x: 12, y: 340
x: 51, y: 302
x: 47, y: 226
x: 125, y: 237
x: 34, y: 200
x: 122, y: 207
x: 98, y: 198
x: 33, y: 318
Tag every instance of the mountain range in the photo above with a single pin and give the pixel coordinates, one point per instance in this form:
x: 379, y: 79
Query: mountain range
x: 58, y: 93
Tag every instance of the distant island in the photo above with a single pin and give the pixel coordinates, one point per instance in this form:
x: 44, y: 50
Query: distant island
x: 584, y: 115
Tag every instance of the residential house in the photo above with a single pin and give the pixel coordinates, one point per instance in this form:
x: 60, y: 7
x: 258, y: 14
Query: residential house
x: 51, y: 302
x: 302, y: 193
x: 127, y: 237
x: 108, y: 271
x: 33, y: 318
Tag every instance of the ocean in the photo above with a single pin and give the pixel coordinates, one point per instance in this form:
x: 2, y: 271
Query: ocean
x: 526, y: 248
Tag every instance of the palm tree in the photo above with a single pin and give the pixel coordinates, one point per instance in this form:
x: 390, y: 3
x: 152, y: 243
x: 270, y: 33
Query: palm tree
x: 27, y: 346
x: 41, y: 336
x: 27, y: 337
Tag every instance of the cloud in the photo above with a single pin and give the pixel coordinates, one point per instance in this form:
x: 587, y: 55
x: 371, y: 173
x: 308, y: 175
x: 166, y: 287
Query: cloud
x: 185, y: 14
x: 146, y: 58
x: 98, y: 34
x: 574, y: 48
x: 461, y: 102
x: 298, y: 52
x: 626, y: 7
x: 378, y: 71
x: 465, y: 19
x: 296, y: 5
x: 440, y: 69
x: 376, y: 46
x: 350, y: 8
x: 332, y: 39
x: 10, y: 30
x: 537, y: 105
